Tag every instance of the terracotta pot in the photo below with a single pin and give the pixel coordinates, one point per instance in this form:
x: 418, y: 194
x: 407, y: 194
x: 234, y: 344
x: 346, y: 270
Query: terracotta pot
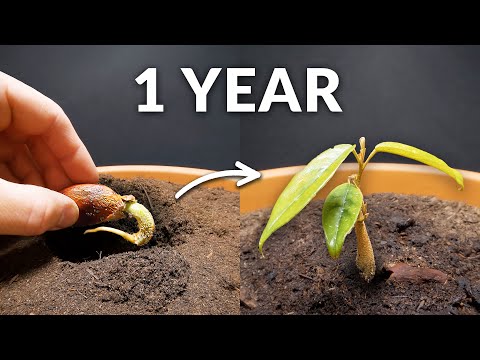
x: 174, y: 174
x: 397, y: 178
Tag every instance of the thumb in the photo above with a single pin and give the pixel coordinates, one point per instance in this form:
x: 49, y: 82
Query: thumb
x: 31, y: 210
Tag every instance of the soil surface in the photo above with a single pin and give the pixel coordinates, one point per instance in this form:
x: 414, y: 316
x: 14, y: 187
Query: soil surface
x: 189, y: 267
x: 427, y: 255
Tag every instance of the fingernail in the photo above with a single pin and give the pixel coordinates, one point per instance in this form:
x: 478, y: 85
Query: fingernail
x: 69, y: 216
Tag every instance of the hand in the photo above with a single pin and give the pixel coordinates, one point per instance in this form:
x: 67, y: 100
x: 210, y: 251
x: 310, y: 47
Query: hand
x: 40, y: 152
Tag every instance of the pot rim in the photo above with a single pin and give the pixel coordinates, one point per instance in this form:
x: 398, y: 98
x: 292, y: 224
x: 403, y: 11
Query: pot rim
x: 397, y: 178
x: 175, y: 174
x: 153, y: 169
x: 351, y: 166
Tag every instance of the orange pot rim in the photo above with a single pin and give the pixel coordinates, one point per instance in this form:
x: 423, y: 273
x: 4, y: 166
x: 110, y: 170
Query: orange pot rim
x: 377, y: 178
x: 262, y: 193
x: 350, y: 166
x: 274, y: 172
x: 152, y: 168
x: 175, y: 174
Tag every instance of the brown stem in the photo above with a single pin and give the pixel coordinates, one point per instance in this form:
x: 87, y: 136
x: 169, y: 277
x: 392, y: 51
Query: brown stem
x: 365, y: 257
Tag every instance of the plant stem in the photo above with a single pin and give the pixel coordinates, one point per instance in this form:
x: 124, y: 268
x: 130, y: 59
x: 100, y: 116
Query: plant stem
x: 361, y: 159
x: 369, y: 157
x: 365, y: 258
x: 146, y: 224
x: 357, y: 157
x: 363, y: 149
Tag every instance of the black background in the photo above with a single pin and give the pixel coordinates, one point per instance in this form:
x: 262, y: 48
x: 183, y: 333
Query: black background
x: 426, y: 96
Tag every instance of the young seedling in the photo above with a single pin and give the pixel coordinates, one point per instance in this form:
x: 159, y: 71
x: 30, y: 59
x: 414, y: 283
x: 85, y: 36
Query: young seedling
x: 344, y: 208
x: 98, y: 204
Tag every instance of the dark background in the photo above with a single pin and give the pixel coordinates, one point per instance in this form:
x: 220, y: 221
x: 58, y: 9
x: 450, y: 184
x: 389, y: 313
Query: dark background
x: 426, y: 96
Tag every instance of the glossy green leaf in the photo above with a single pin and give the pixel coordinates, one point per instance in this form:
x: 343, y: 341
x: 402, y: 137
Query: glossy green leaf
x: 421, y: 156
x: 340, y: 211
x: 303, y: 187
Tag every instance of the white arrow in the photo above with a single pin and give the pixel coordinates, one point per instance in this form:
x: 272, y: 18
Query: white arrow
x: 245, y: 171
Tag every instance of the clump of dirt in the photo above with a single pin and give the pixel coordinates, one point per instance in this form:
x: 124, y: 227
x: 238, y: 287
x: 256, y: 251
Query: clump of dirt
x: 144, y: 281
x: 428, y: 239
x: 189, y: 267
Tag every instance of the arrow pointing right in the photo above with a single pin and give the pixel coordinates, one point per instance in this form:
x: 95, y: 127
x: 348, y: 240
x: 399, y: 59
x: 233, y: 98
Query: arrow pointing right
x: 245, y: 171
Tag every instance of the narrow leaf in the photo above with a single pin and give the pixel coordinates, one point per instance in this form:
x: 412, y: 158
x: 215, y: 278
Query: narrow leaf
x: 421, y: 156
x: 340, y: 211
x: 303, y: 187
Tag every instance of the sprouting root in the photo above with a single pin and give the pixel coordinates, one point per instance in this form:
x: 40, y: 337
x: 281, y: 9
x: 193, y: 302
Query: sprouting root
x: 146, y: 224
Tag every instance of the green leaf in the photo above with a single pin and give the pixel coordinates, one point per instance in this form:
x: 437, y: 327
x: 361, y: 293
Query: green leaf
x: 303, y: 187
x: 421, y: 156
x: 340, y: 211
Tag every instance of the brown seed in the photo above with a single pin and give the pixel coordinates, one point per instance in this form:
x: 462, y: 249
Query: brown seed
x: 96, y: 203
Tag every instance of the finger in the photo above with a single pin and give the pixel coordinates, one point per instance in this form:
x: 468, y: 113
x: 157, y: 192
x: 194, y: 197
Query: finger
x: 70, y: 152
x: 5, y: 112
x: 6, y: 173
x: 33, y: 114
x: 31, y: 210
x: 6, y: 148
x: 24, y: 168
x: 53, y: 174
x: 25, y: 110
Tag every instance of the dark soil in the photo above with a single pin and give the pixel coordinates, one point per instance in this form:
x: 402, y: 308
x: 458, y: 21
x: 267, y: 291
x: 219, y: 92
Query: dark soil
x: 414, y: 233
x: 189, y: 267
